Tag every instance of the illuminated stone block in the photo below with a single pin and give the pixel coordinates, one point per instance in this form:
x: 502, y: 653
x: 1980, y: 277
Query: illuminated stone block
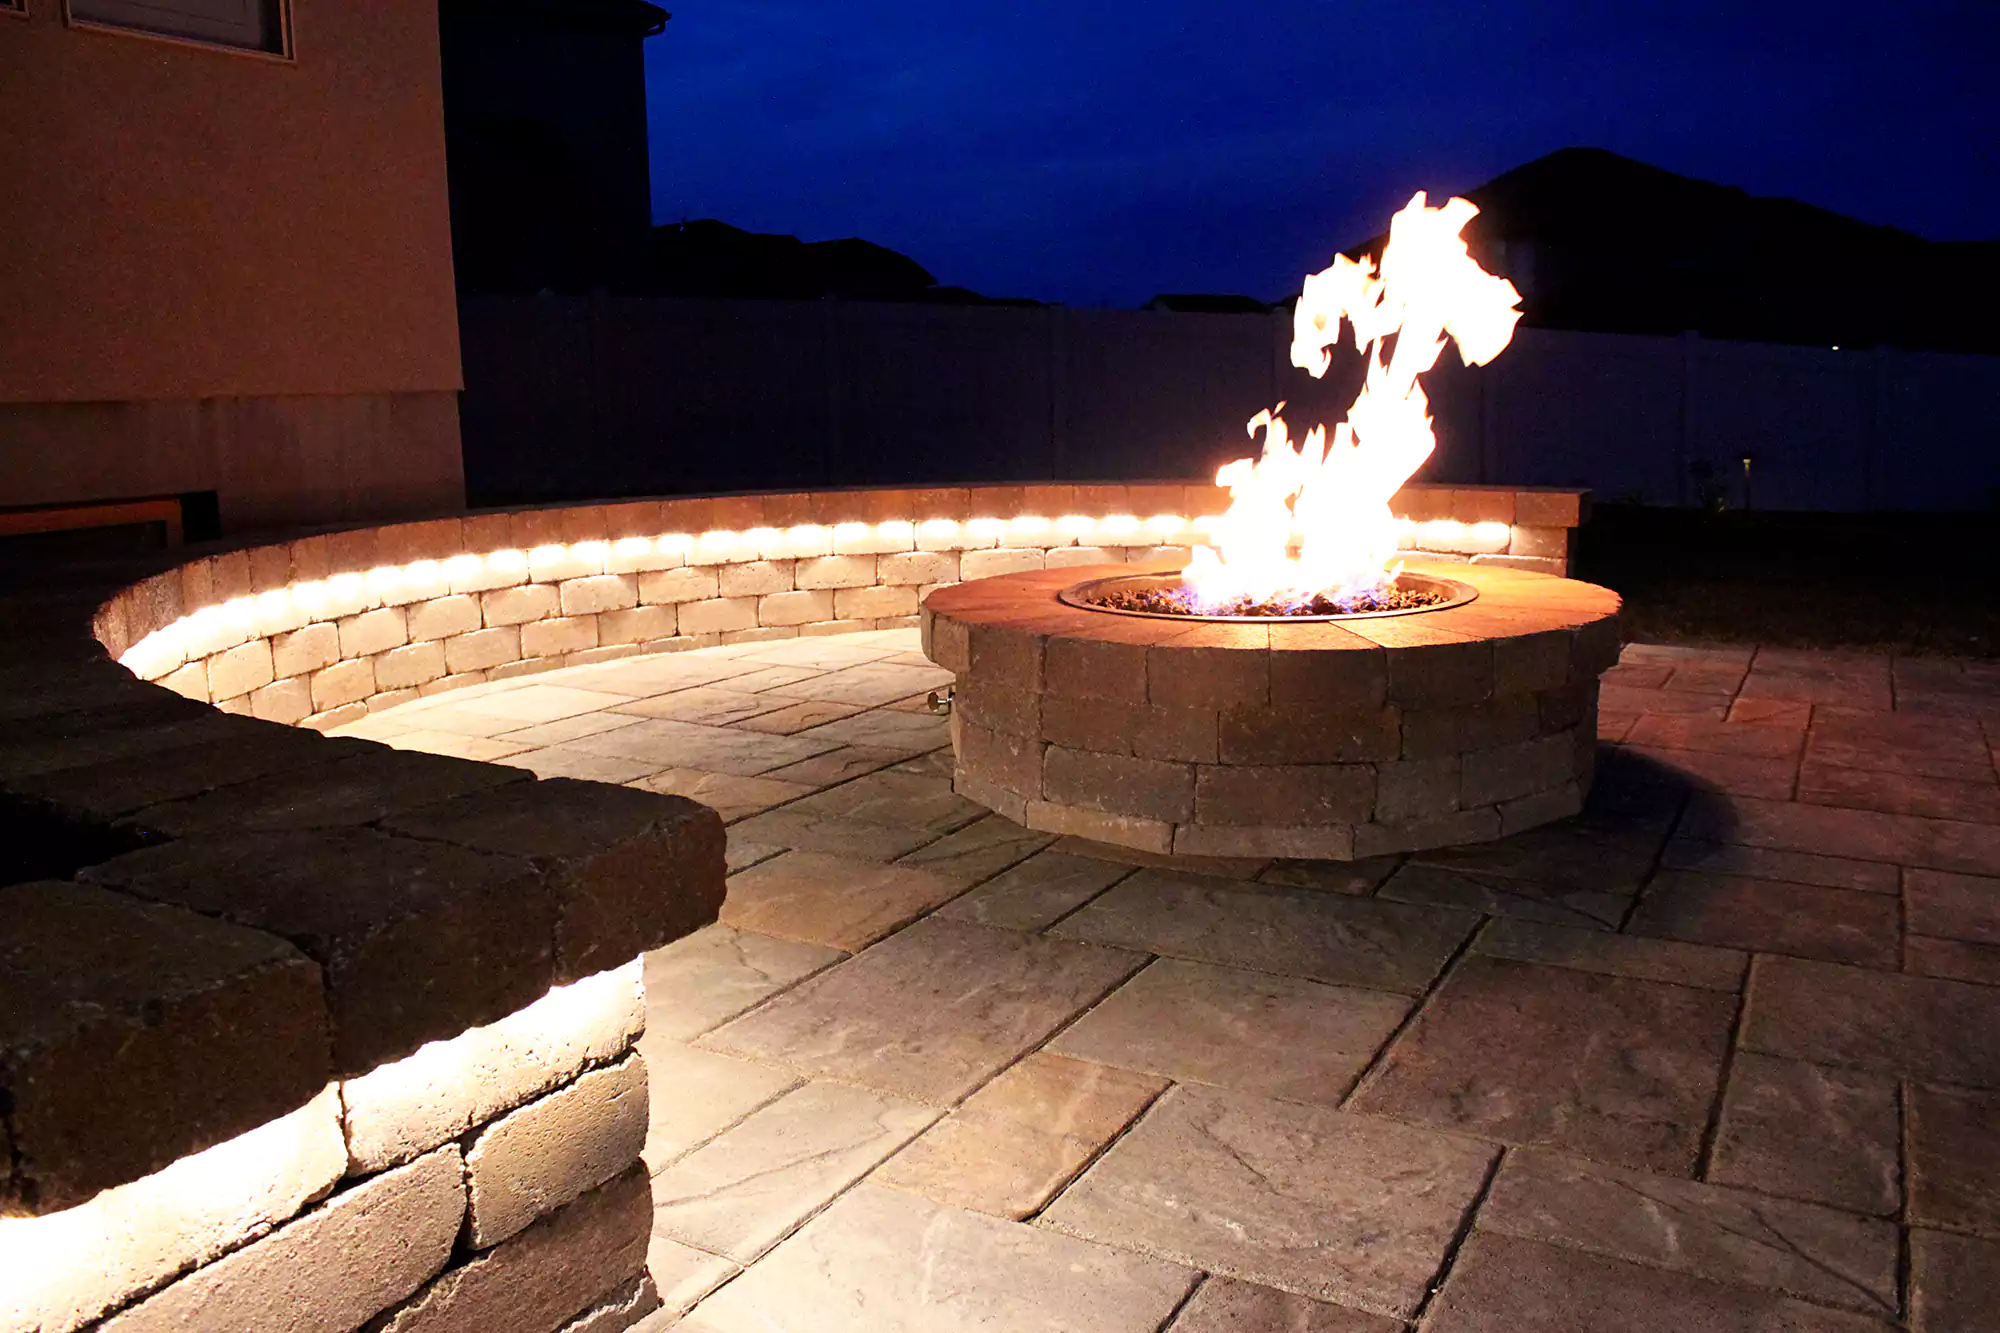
x: 409, y: 666
x: 537, y: 1281
x: 444, y: 617
x: 240, y: 670
x: 342, y: 683
x: 796, y: 608
x: 691, y: 584
x: 836, y: 571
x: 373, y: 632
x: 68, y: 1268
x: 874, y: 603
x: 538, y: 1158
x: 1002, y: 560
x: 365, y: 1248
x: 558, y: 635
x: 305, y: 650
x: 755, y: 578
x: 190, y: 681
x: 286, y: 701
x: 519, y: 606
x: 407, y: 1107
x: 602, y: 592
x: 918, y: 568
x: 637, y: 625
x: 482, y: 649
x: 718, y: 615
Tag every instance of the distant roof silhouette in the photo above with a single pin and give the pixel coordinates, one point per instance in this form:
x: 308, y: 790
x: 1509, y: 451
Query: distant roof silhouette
x: 625, y: 15
x: 1596, y: 241
x: 710, y: 258
x: 1204, y: 303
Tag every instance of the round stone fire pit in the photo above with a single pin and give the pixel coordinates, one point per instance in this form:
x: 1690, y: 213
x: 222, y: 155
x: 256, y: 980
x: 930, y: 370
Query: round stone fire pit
x: 1331, y: 738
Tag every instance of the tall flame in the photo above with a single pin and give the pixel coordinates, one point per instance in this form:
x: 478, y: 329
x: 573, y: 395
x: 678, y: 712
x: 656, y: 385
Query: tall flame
x: 1311, y: 519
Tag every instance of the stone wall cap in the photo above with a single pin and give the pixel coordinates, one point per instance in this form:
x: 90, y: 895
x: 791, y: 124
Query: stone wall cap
x: 418, y: 940
x: 71, y: 952
x: 572, y: 817
x: 316, y: 888
x: 133, y: 1034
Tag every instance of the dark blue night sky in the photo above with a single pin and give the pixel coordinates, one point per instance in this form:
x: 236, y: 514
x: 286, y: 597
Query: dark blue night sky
x: 1100, y: 153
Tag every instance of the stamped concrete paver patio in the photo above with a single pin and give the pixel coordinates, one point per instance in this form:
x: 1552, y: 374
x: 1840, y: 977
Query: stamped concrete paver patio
x: 1721, y: 1054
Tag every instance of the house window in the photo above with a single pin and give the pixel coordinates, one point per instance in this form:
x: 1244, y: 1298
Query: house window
x: 248, y: 25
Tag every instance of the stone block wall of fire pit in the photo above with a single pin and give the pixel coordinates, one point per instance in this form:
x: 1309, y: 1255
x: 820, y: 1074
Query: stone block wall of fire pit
x: 1310, y: 739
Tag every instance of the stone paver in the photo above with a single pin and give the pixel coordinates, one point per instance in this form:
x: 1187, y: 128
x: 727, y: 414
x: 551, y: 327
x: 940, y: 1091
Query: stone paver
x: 833, y: 834
x: 683, y: 1275
x: 703, y: 979
x: 979, y: 851
x: 1697, y: 965
x: 881, y: 1261
x: 833, y: 901
x: 1865, y: 835
x: 1810, y: 1132
x: 1957, y: 907
x: 1836, y: 1015
x: 1810, y: 837
x: 697, y: 1094
x: 739, y: 1194
x: 1838, y: 925
x: 1272, y: 928
x: 730, y: 796
x: 1953, y: 1281
x: 1023, y: 1136
x: 1506, y: 896
x: 1612, y: 1068
x: 1955, y: 960
x: 1725, y: 1235
x: 1359, y: 878
x: 1502, y: 1284
x: 1573, y: 856
x: 1224, y: 1305
x: 1274, y: 1036
x: 1833, y: 872
x: 1954, y: 1155
x: 669, y: 744
x: 1038, y: 892
x: 1343, y: 1208
x: 901, y: 800
x: 931, y: 1013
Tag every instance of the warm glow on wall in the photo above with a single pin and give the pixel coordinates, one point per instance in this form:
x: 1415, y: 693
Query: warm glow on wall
x: 211, y: 629
x: 63, y: 1269
x: 446, y: 1087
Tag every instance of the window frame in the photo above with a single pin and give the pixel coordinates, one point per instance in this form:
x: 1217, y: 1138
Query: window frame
x: 286, y: 54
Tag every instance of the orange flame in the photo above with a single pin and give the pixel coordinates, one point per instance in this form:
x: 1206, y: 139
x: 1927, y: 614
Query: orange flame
x: 1311, y: 519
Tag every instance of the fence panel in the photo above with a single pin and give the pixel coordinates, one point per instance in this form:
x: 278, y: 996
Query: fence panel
x: 1801, y: 414
x: 1938, y: 431
x: 1586, y: 409
x: 1151, y: 394
x: 579, y: 397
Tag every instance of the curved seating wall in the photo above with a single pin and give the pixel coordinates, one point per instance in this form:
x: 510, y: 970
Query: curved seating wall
x: 320, y: 630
